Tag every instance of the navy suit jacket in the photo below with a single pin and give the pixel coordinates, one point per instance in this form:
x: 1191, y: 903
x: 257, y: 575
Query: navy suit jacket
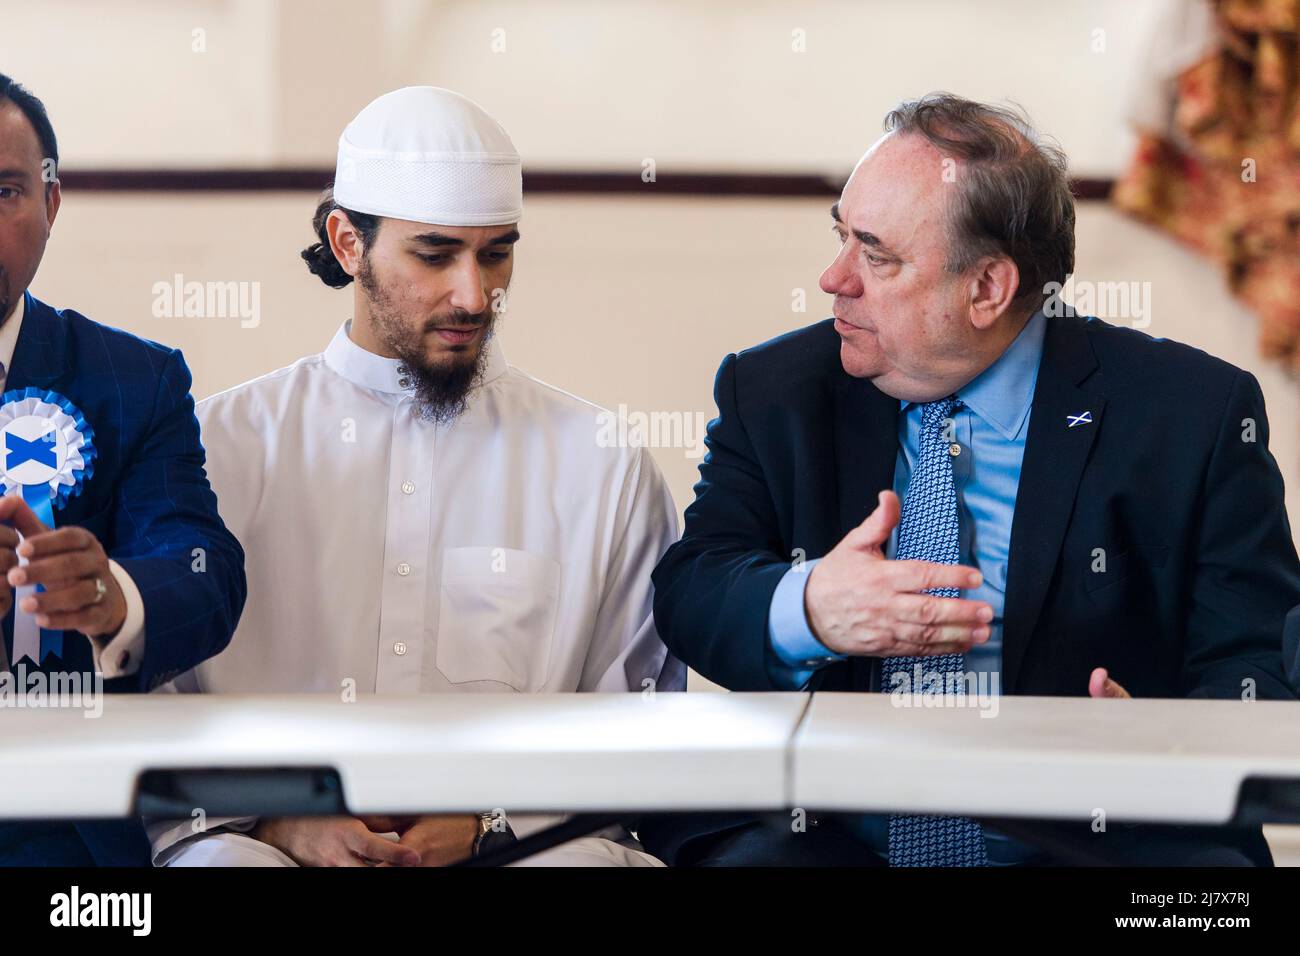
x: 150, y: 505
x: 1201, y: 569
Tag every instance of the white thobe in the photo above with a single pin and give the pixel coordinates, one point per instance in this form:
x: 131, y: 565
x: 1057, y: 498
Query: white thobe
x: 507, y: 551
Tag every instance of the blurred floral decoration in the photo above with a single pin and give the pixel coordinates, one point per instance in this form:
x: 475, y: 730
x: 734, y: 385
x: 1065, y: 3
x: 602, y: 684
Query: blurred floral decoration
x: 1218, y: 158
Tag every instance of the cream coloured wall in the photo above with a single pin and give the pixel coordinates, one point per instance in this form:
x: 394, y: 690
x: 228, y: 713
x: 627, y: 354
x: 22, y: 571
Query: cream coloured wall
x: 588, y: 83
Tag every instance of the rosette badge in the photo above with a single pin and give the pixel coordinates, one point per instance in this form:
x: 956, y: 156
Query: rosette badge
x: 47, y: 452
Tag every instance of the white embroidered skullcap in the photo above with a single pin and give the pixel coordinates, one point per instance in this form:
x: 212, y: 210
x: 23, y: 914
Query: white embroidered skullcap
x: 429, y: 155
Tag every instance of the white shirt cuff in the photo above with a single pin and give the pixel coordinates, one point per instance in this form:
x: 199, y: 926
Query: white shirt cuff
x: 122, y: 655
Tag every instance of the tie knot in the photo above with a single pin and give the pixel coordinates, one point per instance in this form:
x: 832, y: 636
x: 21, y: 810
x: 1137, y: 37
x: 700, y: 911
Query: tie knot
x: 934, y: 413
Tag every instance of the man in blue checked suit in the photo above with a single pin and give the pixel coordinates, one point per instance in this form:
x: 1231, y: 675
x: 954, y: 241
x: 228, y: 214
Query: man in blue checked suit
x: 124, y: 569
x: 958, y: 477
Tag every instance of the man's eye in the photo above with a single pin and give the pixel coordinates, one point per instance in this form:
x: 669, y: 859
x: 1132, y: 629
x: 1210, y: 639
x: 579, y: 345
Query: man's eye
x: 497, y: 256
x: 875, y: 260
x: 7, y: 192
x: 434, y: 260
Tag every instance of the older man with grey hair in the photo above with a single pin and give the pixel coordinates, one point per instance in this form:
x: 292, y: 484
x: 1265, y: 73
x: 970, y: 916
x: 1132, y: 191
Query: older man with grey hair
x: 993, y: 491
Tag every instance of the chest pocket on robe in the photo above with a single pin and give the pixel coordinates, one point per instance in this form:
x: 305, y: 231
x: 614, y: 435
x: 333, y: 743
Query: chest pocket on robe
x: 497, y: 617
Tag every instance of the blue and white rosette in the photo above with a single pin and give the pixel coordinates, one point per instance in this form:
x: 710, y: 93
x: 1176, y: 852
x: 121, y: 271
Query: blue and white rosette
x: 47, y: 451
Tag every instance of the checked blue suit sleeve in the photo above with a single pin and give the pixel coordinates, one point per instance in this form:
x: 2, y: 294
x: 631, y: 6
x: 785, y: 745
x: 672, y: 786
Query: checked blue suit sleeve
x: 170, y: 539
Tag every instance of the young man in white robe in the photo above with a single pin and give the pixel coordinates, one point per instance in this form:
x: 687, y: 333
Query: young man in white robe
x: 418, y: 516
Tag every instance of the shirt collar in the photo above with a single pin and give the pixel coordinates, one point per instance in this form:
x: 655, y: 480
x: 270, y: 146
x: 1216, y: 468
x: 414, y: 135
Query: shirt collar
x: 9, y: 334
x: 1002, y: 394
x: 365, y: 368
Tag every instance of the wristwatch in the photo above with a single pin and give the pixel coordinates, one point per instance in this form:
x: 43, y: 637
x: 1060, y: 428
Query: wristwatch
x: 494, y: 833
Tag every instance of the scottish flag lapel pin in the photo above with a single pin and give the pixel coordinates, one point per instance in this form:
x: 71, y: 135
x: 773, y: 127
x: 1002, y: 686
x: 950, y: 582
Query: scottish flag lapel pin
x: 1083, y: 418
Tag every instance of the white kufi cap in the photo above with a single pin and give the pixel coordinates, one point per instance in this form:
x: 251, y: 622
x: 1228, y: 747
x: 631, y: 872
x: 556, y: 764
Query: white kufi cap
x: 429, y: 155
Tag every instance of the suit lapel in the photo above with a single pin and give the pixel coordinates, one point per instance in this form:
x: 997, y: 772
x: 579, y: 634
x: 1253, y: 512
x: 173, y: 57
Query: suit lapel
x: 1055, y: 455
x: 40, y: 360
x: 866, y: 450
x: 40, y: 352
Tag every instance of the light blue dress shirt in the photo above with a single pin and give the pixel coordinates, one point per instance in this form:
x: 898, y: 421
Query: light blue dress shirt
x: 991, y: 429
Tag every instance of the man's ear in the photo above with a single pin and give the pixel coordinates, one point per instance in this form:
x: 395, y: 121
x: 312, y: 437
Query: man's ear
x: 345, y: 242
x: 53, y: 199
x: 993, y: 289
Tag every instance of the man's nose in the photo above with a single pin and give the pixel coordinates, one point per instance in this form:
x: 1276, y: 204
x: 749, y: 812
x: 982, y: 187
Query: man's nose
x: 468, y: 292
x: 839, y: 279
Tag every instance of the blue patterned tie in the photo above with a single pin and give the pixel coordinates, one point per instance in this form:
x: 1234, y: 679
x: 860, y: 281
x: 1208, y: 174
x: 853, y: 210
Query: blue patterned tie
x: 928, y: 531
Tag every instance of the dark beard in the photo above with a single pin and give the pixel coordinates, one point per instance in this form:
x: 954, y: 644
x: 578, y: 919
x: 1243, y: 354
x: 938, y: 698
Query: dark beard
x: 441, y: 390
x: 442, y: 393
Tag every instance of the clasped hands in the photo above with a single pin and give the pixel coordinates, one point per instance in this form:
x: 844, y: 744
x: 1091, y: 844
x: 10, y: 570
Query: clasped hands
x: 359, y: 841
x: 80, y: 592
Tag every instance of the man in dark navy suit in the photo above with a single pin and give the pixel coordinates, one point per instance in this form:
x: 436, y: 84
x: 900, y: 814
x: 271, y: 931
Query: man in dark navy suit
x: 138, y: 580
x: 956, y: 475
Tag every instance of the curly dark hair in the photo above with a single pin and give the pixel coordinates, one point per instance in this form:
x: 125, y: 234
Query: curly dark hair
x: 319, y: 256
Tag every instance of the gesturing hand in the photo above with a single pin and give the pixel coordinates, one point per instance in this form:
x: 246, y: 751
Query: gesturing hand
x: 1100, y: 684
x: 859, y: 602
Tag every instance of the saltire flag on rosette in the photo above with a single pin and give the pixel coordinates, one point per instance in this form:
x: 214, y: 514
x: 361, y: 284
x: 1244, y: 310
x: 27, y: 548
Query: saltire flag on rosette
x: 47, y: 451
